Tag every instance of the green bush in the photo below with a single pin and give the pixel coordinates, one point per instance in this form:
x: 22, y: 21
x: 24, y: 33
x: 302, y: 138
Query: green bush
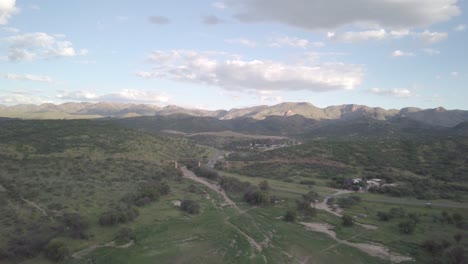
x: 347, y: 220
x: 290, y: 216
x: 56, y: 250
x: 190, y: 206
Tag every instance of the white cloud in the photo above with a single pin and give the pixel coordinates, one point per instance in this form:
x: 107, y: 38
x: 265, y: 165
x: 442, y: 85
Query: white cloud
x: 29, y: 46
x: 23, y: 98
x: 7, y: 9
x: 289, y: 42
x: 454, y: 74
x: 11, y: 30
x: 28, y: 77
x: 431, y: 52
x: 242, y: 41
x: 432, y: 37
x: 328, y: 14
x: 358, y: 36
x: 233, y: 73
x: 401, y: 93
x: 125, y: 96
x: 460, y: 28
x: 78, y: 95
x: 219, y: 5
x: 86, y: 62
x: 267, y: 96
x: 399, y: 53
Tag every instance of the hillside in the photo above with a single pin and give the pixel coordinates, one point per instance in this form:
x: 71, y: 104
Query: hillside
x: 57, y: 178
x: 435, y: 117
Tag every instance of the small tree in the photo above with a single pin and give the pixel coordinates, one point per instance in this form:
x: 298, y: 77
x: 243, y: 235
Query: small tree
x: 407, y: 227
x: 56, y: 250
x: 190, y: 206
x: 458, y: 237
x: 457, y: 255
x: 347, y: 220
x: 77, y: 224
x: 264, y: 186
x: 124, y: 235
x: 310, y: 197
x: 290, y: 216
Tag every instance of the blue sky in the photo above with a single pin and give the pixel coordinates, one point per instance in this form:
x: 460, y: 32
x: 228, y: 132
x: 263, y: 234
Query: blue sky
x: 225, y: 54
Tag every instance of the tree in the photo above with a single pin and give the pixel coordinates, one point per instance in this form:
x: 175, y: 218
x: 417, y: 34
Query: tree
x: 56, y: 250
x: 384, y: 216
x: 457, y: 255
x: 458, y: 237
x: 124, y: 235
x: 290, y: 216
x: 190, y: 206
x: 76, y: 224
x: 407, y: 227
x: 254, y: 196
x: 347, y: 220
x: 264, y: 186
x: 311, y: 197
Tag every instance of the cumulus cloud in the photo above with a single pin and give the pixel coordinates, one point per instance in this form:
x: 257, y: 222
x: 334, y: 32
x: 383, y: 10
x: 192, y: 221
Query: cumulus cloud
x: 11, y: 30
x: 431, y: 52
x: 289, y: 42
x: 454, y: 74
x: 159, y: 20
x: 401, y: 93
x: 242, y: 41
x: 233, y: 73
x: 219, y: 5
x: 460, y: 28
x: 28, y: 77
x: 358, y: 36
x: 124, y: 96
x: 399, y: 53
x: 7, y: 9
x: 29, y: 46
x: 212, y: 20
x: 328, y: 14
x: 432, y: 37
x: 426, y: 36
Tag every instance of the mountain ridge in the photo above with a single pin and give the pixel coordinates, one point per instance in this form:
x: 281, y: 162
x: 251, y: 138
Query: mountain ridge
x: 347, y: 112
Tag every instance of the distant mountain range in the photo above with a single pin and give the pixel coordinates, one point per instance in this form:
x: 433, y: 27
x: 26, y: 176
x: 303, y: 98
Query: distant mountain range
x: 433, y: 117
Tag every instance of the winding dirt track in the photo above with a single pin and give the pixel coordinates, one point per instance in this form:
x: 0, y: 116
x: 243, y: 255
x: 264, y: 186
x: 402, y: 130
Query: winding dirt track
x: 190, y: 175
x: 324, y: 206
x: 82, y: 253
x: 374, y: 249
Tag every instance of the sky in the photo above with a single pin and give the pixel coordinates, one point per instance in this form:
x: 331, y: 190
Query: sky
x: 223, y: 54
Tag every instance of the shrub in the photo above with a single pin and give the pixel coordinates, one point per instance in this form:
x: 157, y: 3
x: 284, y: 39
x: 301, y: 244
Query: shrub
x: 190, y: 206
x: 384, y: 216
x: 290, y: 216
x: 124, y: 235
x: 122, y: 213
x: 254, y: 196
x: 76, y: 224
x: 56, y: 250
x: 347, y: 220
x: 407, y: 227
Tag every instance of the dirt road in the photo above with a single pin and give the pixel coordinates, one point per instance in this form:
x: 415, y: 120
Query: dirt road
x: 374, y: 249
x: 324, y: 206
x: 190, y: 175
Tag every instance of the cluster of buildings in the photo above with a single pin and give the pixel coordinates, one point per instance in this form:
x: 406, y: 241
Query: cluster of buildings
x: 364, y: 185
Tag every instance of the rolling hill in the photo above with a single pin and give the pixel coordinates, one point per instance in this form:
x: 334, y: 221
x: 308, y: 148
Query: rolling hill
x: 349, y: 112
